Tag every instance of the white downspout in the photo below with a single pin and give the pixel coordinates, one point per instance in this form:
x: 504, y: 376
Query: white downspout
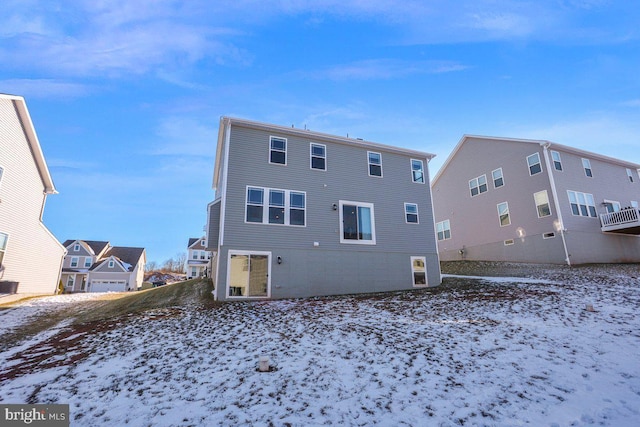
x: 556, y: 203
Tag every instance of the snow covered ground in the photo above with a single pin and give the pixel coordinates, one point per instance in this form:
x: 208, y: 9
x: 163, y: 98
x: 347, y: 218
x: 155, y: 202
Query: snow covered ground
x: 473, y: 352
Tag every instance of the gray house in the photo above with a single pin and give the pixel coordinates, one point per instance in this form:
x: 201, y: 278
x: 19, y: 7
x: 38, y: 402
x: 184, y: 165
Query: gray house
x: 96, y: 266
x: 30, y: 256
x: 300, y: 213
x: 505, y: 199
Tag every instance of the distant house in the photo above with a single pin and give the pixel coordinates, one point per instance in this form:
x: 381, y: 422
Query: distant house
x: 198, y: 258
x: 30, y: 256
x: 300, y: 213
x: 537, y: 201
x: 96, y: 266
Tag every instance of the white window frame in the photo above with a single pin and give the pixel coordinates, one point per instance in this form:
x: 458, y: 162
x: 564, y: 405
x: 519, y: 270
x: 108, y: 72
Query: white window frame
x: 271, y: 149
x: 266, y: 191
x: 531, y: 165
x: 111, y: 264
x: 246, y: 268
x: 588, y: 203
x: 443, y: 227
x: 475, y: 183
x: 3, y: 246
x: 509, y: 242
x: 493, y: 177
x: 90, y: 259
x: 421, y: 180
x: 76, y: 247
x: 414, y: 271
x: 369, y: 163
x: 312, y: 156
x: 549, y: 235
x: 74, y: 260
x: 538, y: 205
x: 557, y: 163
x: 407, y: 213
x: 616, y: 205
x: 70, y: 279
x: 630, y: 175
x: 370, y: 206
x: 1, y: 174
x: 586, y: 165
x: 500, y: 214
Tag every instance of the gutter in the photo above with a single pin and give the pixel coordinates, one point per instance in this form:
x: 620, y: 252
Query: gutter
x: 554, y: 193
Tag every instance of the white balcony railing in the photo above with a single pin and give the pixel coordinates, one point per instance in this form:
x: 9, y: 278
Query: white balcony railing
x: 623, y: 219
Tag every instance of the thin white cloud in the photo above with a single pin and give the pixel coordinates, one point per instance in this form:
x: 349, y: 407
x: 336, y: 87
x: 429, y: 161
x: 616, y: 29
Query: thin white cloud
x: 185, y: 136
x: 631, y: 103
x: 604, y: 133
x: 44, y: 88
x: 385, y: 69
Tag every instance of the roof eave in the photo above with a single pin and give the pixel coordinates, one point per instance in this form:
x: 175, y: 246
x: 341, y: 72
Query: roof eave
x: 34, y: 143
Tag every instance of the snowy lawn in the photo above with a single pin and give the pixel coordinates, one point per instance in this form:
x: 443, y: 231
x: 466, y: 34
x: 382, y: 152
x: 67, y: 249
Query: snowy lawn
x: 490, y: 352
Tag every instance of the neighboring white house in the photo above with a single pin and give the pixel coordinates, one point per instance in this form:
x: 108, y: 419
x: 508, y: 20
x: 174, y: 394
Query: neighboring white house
x: 30, y: 256
x: 96, y: 266
x: 505, y: 199
x: 198, y: 263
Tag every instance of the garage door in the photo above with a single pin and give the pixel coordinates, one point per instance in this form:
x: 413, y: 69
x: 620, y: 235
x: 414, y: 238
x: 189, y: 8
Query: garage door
x: 108, y: 285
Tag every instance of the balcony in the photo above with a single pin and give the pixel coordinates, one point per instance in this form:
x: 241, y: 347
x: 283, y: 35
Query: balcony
x: 625, y: 221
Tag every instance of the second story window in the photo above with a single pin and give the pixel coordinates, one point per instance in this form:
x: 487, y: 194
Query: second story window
x: 478, y: 185
x: 74, y: 261
x: 630, y: 175
x: 557, y: 162
x: 87, y: 262
x: 417, y: 171
x: 278, y: 150
x: 411, y: 213
x: 443, y: 229
x: 318, y: 156
x: 582, y: 204
x: 534, y: 164
x: 498, y: 179
x: 542, y: 203
x: 586, y: 164
x: 375, y: 163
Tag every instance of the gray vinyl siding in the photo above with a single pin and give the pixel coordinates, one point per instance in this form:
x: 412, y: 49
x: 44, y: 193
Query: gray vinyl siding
x: 474, y: 220
x: 33, y: 255
x: 213, y: 233
x: 609, y: 182
x: 330, y: 267
x: 346, y: 178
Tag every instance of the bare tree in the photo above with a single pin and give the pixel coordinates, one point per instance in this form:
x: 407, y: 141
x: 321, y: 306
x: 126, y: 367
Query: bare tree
x: 151, y: 266
x: 181, y: 259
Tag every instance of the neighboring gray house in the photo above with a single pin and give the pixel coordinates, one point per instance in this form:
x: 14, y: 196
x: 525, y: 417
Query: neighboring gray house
x: 30, y: 256
x: 503, y: 199
x: 198, y: 263
x: 300, y: 213
x: 96, y: 266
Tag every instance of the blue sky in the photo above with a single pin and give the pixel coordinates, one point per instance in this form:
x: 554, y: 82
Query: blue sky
x: 126, y: 95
